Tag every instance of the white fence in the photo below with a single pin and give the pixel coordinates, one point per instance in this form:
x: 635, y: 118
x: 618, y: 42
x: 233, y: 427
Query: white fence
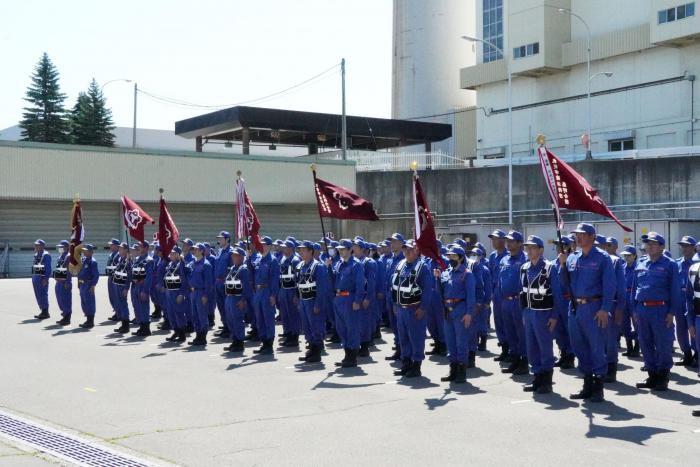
x: 371, y: 161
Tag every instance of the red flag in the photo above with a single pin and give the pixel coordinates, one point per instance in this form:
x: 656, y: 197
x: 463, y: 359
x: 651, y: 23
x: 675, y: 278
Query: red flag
x: 247, y: 223
x: 135, y: 218
x: 167, y: 234
x: 340, y: 203
x: 76, y: 237
x: 424, y: 228
x: 569, y: 190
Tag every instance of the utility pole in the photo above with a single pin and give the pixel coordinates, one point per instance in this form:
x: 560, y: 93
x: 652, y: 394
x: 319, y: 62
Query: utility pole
x: 344, y: 132
x: 133, y: 135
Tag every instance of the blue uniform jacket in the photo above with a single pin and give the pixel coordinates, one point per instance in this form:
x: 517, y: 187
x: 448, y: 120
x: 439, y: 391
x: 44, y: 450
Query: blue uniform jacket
x: 509, y: 274
x: 657, y: 281
x: 222, y: 262
x: 561, y: 305
x: 459, y: 284
x: 89, y: 274
x: 391, y: 264
x: 201, y: 275
x: 350, y: 277
x: 148, y: 265
x: 425, y: 280
x: 590, y: 275
x: 44, y: 258
x: 620, y: 290
x: 369, y: 267
x: 320, y: 276
x: 494, y: 266
x: 267, y: 273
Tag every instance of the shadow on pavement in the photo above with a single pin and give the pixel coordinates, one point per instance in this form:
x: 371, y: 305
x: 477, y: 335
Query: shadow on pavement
x: 636, y: 434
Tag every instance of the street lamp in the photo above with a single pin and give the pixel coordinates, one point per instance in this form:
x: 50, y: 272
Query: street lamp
x: 510, y: 124
x: 133, y: 132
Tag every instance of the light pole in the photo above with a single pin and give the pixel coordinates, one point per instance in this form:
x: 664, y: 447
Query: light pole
x: 510, y: 124
x: 133, y: 132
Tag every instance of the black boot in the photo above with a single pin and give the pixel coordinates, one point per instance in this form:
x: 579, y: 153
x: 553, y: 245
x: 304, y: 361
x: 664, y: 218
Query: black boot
x: 585, y: 393
x: 686, y: 360
x: 395, y: 356
x: 173, y: 337
x: 141, y: 332
x: 460, y: 373
x: 482, y: 343
x: 471, y: 359
x: 435, y: 349
x: 157, y: 314
x: 133, y: 320
x: 648, y: 383
x: 597, y: 390
x: 504, y: 353
x: 443, y: 349
x: 252, y: 335
x: 536, y: 382
x: 199, y: 340
x: 513, y: 366
x: 661, y: 380
x: 236, y: 346
x: 114, y: 317
x: 566, y: 361
x: 611, y: 375
x: 165, y: 325
x: 635, y: 348
x: 124, y: 328
x: 345, y: 358
x: 414, y: 370
x: 694, y: 363
x: 364, y: 350
x: 43, y: 315
x: 405, y: 366
x: 522, y: 368
x: 89, y: 323
x: 629, y: 344
x: 334, y: 339
x: 377, y: 333
x: 265, y: 348
x: 315, y: 355
x: 181, y: 337
x: 352, y: 359
x: 292, y: 340
x: 65, y: 321
x: 451, y: 375
x: 545, y: 386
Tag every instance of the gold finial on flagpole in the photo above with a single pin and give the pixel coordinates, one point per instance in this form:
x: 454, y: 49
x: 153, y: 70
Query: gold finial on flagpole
x: 541, y: 139
x: 76, y: 197
x: 414, y: 165
x: 313, y: 167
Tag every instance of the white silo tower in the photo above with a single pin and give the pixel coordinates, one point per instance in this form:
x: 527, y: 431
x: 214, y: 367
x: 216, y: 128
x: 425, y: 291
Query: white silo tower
x: 427, y: 56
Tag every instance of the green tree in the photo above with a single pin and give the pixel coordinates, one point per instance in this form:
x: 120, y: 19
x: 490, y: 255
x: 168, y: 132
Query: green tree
x: 45, y: 120
x: 91, y: 120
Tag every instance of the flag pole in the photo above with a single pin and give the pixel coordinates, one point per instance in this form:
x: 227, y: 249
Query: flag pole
x: 126, y: 230
x: 318, y: 206
x: 239, y: 179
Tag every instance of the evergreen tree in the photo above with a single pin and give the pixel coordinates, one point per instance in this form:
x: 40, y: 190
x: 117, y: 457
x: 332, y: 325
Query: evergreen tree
x: 91, y: 120
x: 45, y: 119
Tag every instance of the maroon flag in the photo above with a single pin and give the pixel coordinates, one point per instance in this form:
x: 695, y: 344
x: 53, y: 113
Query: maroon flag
x: 569, y: 190
x: 340, y: 203
x: 135, y: 218
x: 76, y: 237
x: 167, y: 234
x: 247, y: 223
x: 424, y: 228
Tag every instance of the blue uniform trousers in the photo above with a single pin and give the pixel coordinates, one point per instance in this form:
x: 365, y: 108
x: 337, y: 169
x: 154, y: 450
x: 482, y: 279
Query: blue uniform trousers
x: 264, y: 314
x: 682, y: 334
x: 289, y: 311
x: 220, y: 302
x: 411, y: 333
x: 588, y: 339
x: 561, y: 331
x: 200, y: 311
x: 87, y: 300
x: 367, y: 322
x: 612, y: 347
x: 347, y: 322
x: 112, y: 293
x: 456, y: 335
x: 64, y: 297
x: 141, y: 307
x: 177, y: 313
x: 655, y: 338
x: 498, y: 319
x: 314, y: 324
x: 121, y: 293
x: 235, y: 316
x: 539, y: 340
x: 513, y: 326
x: 436, y: 319
x: 41, y: 292
x: 393, y: 321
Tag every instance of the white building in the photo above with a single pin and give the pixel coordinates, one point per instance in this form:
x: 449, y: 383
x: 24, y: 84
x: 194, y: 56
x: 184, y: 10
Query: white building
x: 651, y: 47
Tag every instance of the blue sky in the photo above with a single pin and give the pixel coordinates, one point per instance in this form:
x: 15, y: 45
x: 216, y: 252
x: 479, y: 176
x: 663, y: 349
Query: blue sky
x: 205, y: 52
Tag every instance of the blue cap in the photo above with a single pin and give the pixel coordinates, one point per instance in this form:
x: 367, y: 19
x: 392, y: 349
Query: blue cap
x: 480, y: 245
x: 628, y: 250
x: 89, y: 247
x: 611, y: 240
x: 238, y: 251
x: 278, y: 242
x: 411, y: 243
x: 397, y: 236
x: 534, y: 240
x: 600, y: 239
x: 124, y: 245
x: 688, y: 240
x: 359, y: 242
x: 460, y: 241
x: 291, y: 238
x: 372, y: 246
x: 223, y: 234
x: 344, y: 243
x: 383, y: 243
x: 266, y: 240
x: 63, y: 243
x: 358, y: 237
x: 176, y: 249
x: 325, y: 240
x: 188, y: 241
x: 40, y: 242
x: 654, y: 237
x: 565, y: 240
x: 514, y: 235
x: 114, y: 241
x: 136, y: 246
x: 333, y: 244
x: 584, y: 228
x: 317, y: 246
x: 443, y: 250
x: 206, y: 245
x: 498, y: 233
x: 241, y: 244
x: 456, y: 250
x: 477, y: 251
x: 289, y: 244
x: 200, y: 246
x: 307, y: 244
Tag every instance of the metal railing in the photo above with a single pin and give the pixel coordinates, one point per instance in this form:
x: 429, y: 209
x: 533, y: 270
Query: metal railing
x: 380, y: 161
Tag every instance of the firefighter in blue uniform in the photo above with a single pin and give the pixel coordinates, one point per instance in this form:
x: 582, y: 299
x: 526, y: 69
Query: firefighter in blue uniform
x: 629, y: 255
x: 413, y: 290
x: 331, y: 259
x: 112, y: 260
x: 612, y: 346
x: 156, y: 291
x: 64, y: 283
x: 121, y: 277
x: 141, y: 280
x: 436, y: 312
x: 238, y: 292
x: 88, y: 277
x: 381, y: 280
x: 541, y: 298
x: 211, y: 302
x: 367, y: 312
x: 475, y: 268
x: 692, y: 295
x: 266, y: 271
x: 685, y: 341
x: 201, y: 282
x: 498, y: 241
x: 396, y: 242
x: 187, y: 246
x: 287, y: 295
x: 459, y: 299
x: 221, y: 266
x: 567, y: 358
x: 589, y: 275
x: 349, y: 286
x: 484, y: 316
x: 510, y: 288
x: 177, y: 291
x: 312, y: 285
x: 41, y: 271
x: 252, y: 256
x: 657, y: 298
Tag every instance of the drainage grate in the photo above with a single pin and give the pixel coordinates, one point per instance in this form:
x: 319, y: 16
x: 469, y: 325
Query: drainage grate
x: 62, y: 445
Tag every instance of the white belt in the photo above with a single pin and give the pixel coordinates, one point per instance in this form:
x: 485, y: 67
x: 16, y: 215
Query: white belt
x: 233, y: 282
x: 307, y: 286
x: 696, y: 294
x: 138, y: 270
x: 407, y: 289
x: 111, y: 268
x: 120, y: 274
x: 172, y: 279
x: 536, y: 291
x: 287, y: 276
x: 61, y: 269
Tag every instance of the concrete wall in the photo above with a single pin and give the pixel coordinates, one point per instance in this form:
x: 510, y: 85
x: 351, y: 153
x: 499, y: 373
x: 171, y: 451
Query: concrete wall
x: 634, y: 187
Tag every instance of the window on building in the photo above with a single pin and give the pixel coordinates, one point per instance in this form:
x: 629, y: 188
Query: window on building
x: 677, y: 13
x: 493, y: 29
x: 526, y: 50
x: 626, y: 144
